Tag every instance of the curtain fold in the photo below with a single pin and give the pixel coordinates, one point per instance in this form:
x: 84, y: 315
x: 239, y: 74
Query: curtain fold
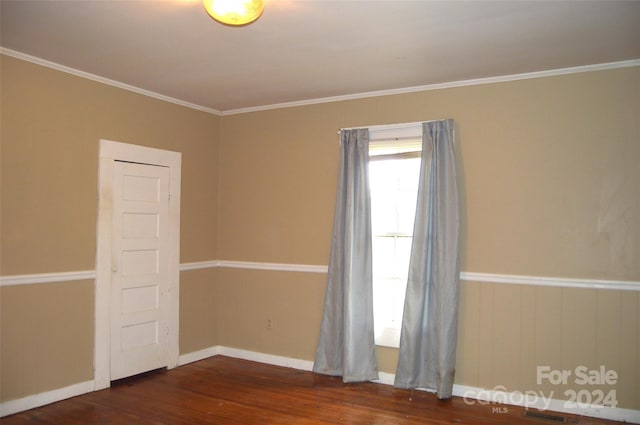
x: 347, y: 344
x: 430, y: 319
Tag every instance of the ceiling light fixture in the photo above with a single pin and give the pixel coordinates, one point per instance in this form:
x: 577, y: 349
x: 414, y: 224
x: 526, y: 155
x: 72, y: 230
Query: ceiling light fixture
x: 234, y: 12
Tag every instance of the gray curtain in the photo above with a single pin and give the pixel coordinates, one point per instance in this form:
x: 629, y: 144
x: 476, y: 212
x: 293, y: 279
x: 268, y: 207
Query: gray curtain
x: 430, y: 320
x: 347, y: 344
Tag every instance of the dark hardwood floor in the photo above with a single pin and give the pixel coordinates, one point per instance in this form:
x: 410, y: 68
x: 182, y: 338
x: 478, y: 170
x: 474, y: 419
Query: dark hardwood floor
x: 222, y: 390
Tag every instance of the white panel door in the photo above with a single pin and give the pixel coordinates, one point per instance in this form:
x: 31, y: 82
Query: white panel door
x: 140, y: 278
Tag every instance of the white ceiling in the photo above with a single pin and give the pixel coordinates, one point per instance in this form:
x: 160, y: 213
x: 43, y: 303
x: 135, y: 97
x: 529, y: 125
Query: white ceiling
x: 304, y: 50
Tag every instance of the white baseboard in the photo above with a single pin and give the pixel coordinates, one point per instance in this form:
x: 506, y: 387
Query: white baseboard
x: 36, y: 400
x: 543, y: 402
x: 471, y: 395
x: 254, y: 356
x: 198, y: 355
x: 271, y: 359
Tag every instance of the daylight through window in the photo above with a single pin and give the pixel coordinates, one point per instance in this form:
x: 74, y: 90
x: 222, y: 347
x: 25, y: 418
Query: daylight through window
x: 394, y: 170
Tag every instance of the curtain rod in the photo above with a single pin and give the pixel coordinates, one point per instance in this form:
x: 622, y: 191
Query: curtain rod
x: 388, y: 126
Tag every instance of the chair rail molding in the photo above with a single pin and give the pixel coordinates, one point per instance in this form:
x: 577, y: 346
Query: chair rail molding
x: 508, y: 279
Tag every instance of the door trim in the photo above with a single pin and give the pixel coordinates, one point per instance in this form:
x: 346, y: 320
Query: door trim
x: 109, y: 152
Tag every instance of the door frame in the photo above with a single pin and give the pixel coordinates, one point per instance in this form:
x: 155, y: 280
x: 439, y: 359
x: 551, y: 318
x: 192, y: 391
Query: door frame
x: 109, y: 152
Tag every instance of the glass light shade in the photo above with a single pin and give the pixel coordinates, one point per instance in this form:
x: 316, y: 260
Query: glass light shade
x: 234, y: 12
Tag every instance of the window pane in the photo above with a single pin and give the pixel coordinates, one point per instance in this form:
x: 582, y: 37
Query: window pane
x: 406, y: 211
x: 403, y: 253
x: 393, y: 186
x: 379, y: 173
x: 383, y: 220
x: 382, y: 250
x: 408, y: 174
x: 388, y: 302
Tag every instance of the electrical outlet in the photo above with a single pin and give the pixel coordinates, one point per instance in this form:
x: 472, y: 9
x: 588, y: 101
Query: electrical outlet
x: 269, y: 324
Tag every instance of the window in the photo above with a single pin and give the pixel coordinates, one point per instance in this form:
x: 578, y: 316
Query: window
x: 394, y: 170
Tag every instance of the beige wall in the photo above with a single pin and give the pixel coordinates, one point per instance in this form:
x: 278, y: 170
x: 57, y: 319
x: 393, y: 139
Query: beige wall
x: 46, y: 337
x: 291, y: 300
x: 198, y: 310
x: 51, y: 124
x: 549, y: 168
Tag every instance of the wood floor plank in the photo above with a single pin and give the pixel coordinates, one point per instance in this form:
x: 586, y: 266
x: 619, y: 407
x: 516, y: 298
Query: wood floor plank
x: 222, y: 390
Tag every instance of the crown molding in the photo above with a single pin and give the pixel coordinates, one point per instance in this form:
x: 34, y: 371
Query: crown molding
x: 355, y: 96
x: 440, y: 86
x: 103, y: 80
